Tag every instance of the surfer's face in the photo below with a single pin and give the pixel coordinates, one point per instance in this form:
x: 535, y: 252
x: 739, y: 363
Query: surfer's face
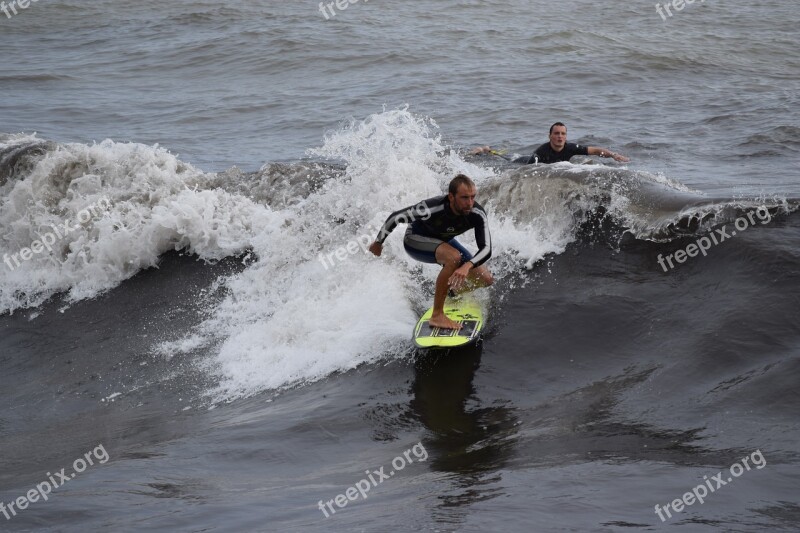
x: 462, y: 201
x: 558, y: 138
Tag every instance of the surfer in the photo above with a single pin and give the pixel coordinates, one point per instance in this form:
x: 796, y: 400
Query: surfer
x: 557, y: 149
x: 431, y: 240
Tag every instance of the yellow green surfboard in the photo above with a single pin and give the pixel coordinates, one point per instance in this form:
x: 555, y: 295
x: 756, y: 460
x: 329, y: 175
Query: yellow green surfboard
x: 465, y: 311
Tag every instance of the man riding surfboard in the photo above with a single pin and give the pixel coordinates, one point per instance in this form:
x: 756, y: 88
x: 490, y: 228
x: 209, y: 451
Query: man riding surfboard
x: 431, y: 240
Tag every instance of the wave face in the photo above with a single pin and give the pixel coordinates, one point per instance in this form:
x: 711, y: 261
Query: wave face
x: 152, y: 203
x: 194, y: 317
x: 271, y: 329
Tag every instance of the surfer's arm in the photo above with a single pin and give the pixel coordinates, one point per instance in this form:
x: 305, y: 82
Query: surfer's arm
x: 483, y: 239
x: 394, y: 219
x: 422, y: 210
x: 605, y: 152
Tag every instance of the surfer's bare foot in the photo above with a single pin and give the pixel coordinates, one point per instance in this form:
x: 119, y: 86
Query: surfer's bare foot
x: 441, y: 321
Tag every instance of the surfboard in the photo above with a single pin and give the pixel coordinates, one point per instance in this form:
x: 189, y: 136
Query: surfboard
x: 466, y: 311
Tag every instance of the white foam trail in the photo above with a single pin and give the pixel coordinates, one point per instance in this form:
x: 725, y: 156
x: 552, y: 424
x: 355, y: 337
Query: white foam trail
x: 157, y: 204
x: 287, y: 319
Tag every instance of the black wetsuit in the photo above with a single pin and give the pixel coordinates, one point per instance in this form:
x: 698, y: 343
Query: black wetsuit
x: 433, y: 222
x: 546, y: 154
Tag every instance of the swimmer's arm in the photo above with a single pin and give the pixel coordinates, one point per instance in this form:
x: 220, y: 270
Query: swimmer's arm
x: 605, y: 152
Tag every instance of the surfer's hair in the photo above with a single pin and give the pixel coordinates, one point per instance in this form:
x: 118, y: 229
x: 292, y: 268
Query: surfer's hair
x: 458, y: 181
x: 557, y: 124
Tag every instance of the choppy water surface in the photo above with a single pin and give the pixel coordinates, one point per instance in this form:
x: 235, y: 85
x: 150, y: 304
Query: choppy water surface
x: 188, y: 162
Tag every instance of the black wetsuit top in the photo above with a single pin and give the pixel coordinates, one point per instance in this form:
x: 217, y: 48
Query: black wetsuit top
x: 546, y: 154
x: 434, y: 218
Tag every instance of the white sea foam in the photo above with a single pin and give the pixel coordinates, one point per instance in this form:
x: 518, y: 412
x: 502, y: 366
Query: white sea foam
x: 157, y: 204
x: 285, y: 319
x: 289, y: 320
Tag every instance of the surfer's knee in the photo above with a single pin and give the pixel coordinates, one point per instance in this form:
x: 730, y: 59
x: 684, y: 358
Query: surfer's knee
x: 446, y: 255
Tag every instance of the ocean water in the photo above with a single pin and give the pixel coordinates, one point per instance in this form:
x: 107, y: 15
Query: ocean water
x: 173, y: 176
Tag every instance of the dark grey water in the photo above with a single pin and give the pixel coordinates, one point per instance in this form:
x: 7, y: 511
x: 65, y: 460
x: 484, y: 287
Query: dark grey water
x: 710, y: 96
x: 240, y: 383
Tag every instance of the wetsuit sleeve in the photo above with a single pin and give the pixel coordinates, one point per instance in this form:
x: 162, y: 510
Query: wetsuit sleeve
x: 537, y: 155
x: 403, y: 216
x: 482, y: 238
x: 577, y: 149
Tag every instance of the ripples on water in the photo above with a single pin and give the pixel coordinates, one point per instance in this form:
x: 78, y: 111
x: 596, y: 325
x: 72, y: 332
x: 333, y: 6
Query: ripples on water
x: 242, y: 83
x: 603, y: 386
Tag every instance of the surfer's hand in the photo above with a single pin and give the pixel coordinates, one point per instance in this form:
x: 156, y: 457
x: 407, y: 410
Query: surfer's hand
x: 480, y: 150
x: 376, y: 248
x: 621, y: 158
x: 458, y: 277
